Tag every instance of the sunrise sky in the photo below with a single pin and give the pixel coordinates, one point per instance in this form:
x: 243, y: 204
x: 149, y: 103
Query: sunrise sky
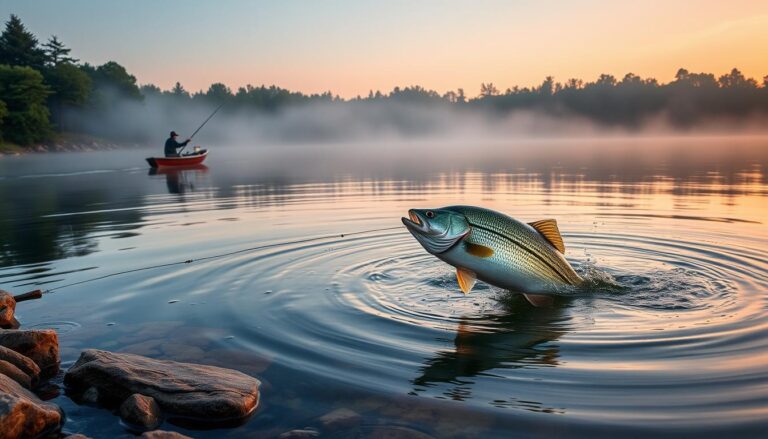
x: 353, y: 46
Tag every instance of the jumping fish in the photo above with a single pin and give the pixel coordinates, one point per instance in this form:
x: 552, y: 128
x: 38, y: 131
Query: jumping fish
x: 497, y: 249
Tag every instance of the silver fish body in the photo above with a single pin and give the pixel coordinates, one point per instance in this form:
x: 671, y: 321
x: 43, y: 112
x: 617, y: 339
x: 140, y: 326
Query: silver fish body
x: 494, y: 248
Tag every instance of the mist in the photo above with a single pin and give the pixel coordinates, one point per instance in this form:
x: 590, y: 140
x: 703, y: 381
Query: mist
x: 149, y: 121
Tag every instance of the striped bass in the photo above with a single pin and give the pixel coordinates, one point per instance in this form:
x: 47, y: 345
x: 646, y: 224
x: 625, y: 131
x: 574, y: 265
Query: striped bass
x: 497, y: 249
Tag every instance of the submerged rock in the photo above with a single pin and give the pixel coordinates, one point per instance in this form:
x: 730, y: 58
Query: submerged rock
x: 306, y: 433
x: 22, y: 414
x: 202, y: 393
x: 22, y: 363
x: 7, y: 308
x: 386, y: 432
x: 339, y: 419
x: 161, y: 434
x: 41, y: 346
x: 140, y: 411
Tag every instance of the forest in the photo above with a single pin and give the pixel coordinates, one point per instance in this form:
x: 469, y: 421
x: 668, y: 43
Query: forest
x: 41, y: 83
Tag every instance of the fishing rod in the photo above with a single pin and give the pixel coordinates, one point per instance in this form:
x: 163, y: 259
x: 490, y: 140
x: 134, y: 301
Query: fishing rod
x: 206, y: 258
x: 203, y: 124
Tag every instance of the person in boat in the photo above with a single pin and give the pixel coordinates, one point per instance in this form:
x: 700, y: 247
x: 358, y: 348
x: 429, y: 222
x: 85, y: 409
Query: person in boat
x: 172, y: 146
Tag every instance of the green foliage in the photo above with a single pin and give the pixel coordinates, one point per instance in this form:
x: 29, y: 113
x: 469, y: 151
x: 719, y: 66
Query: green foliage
x: 24, y: 93
x: 218, y: 92
x: 19, y: 47
x: 56, y: 53
x: 69, y: 83
x: 3, y: 114
x: 112, y: 78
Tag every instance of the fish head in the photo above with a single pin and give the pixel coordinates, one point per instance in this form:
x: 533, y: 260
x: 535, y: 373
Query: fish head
x: 437, y: 230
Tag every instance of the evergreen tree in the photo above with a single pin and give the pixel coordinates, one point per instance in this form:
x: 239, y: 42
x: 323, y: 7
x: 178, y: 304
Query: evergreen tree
x: 56, y: 53
x: 179, y: 92
x: 19, y: 47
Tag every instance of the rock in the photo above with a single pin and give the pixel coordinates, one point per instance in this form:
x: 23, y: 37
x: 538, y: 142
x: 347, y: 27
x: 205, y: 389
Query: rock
x: 140, y: 411
x: 41, y: 346
x: 306, y: 433
x: 76, y: 436
x: 339, y: 419
x: 203, y: 393
x: 160, y: 434
x: 22, y: 414
x: 22, y: 363
x: 15, y: 374
x: 7, y: 308
x: 91, y: 396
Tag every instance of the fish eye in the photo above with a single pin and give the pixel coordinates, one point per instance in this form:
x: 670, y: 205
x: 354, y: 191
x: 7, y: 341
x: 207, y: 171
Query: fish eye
x: 430, y: 214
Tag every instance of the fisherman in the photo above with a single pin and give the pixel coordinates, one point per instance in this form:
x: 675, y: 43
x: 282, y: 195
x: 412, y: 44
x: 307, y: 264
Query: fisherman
x: 171, y: 145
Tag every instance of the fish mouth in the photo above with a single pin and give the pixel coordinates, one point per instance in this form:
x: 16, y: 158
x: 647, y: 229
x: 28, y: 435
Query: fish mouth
x: 414, y: 222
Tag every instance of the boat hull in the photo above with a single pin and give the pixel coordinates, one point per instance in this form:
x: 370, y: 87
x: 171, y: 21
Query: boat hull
x: 187, y: 160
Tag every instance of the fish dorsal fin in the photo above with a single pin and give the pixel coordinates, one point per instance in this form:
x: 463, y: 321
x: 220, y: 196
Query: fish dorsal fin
x: 548, y: 229
x: 466, y: 279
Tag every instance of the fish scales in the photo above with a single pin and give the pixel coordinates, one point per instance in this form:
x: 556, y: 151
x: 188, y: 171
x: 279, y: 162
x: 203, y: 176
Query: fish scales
x: 492, y: 247
x: 528, y: 238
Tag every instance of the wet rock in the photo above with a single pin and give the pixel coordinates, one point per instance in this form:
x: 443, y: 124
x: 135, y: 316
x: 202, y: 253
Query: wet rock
x: 22, y: 414
x: 91, y: 396
x: 77, y: 436
x: 140, y: 411
x: 15, y: 374
x: 7, y: 308
x: 204, y: 393
x: 161, y: 434
x: 22, y: 363
x: 339, y: 419
x: 41, y: 346
x: 306, y: 433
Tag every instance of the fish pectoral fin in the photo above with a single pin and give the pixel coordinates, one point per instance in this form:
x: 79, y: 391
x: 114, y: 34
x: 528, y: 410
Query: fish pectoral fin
x: 539, y: 300
x: 481, y: 251
x: 466, y: 279
x: 548, y: 229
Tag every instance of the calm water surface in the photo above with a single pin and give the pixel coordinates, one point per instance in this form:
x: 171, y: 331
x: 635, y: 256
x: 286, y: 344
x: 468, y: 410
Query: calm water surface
x: 327, y: 299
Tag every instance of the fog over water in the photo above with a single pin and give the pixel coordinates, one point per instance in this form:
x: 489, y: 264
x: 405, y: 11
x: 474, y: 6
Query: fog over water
x: 381, y: 121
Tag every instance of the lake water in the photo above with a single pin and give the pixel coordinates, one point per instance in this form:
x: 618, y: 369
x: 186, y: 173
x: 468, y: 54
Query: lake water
x: 302, y: 275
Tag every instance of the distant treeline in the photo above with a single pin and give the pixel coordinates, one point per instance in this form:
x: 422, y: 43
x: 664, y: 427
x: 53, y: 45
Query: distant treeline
x: 41, y: 83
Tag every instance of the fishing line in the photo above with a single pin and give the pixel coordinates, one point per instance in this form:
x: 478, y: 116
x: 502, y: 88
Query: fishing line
x: 221, y: 255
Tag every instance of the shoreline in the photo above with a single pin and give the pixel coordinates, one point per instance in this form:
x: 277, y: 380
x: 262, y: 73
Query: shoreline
x: 72, y: 143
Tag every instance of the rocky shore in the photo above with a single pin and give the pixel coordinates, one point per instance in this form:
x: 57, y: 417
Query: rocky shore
x: 145, y: 394
x: 142, y: 391
x: 69, y: 144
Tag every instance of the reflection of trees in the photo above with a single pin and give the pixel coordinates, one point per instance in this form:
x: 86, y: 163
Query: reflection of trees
x: 35, y: 227
x: 520, y: 338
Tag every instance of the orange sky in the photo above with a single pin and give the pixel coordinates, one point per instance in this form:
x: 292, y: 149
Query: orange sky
x: 350, y: 47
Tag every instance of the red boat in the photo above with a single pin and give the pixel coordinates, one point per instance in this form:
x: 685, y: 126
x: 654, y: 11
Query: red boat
x: 184, y: 160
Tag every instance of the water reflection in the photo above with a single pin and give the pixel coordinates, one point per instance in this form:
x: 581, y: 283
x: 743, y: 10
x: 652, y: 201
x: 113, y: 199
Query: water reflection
x: 684, y: 347
x: 521, y: 337
x: 181, y: 179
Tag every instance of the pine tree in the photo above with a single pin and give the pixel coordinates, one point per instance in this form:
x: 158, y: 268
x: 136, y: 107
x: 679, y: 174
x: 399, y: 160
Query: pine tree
x: 57, y: 53
x: 19, y: 47
x: 178, y: 90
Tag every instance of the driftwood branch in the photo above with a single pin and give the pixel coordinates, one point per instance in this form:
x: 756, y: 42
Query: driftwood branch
x: 36, y: 294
